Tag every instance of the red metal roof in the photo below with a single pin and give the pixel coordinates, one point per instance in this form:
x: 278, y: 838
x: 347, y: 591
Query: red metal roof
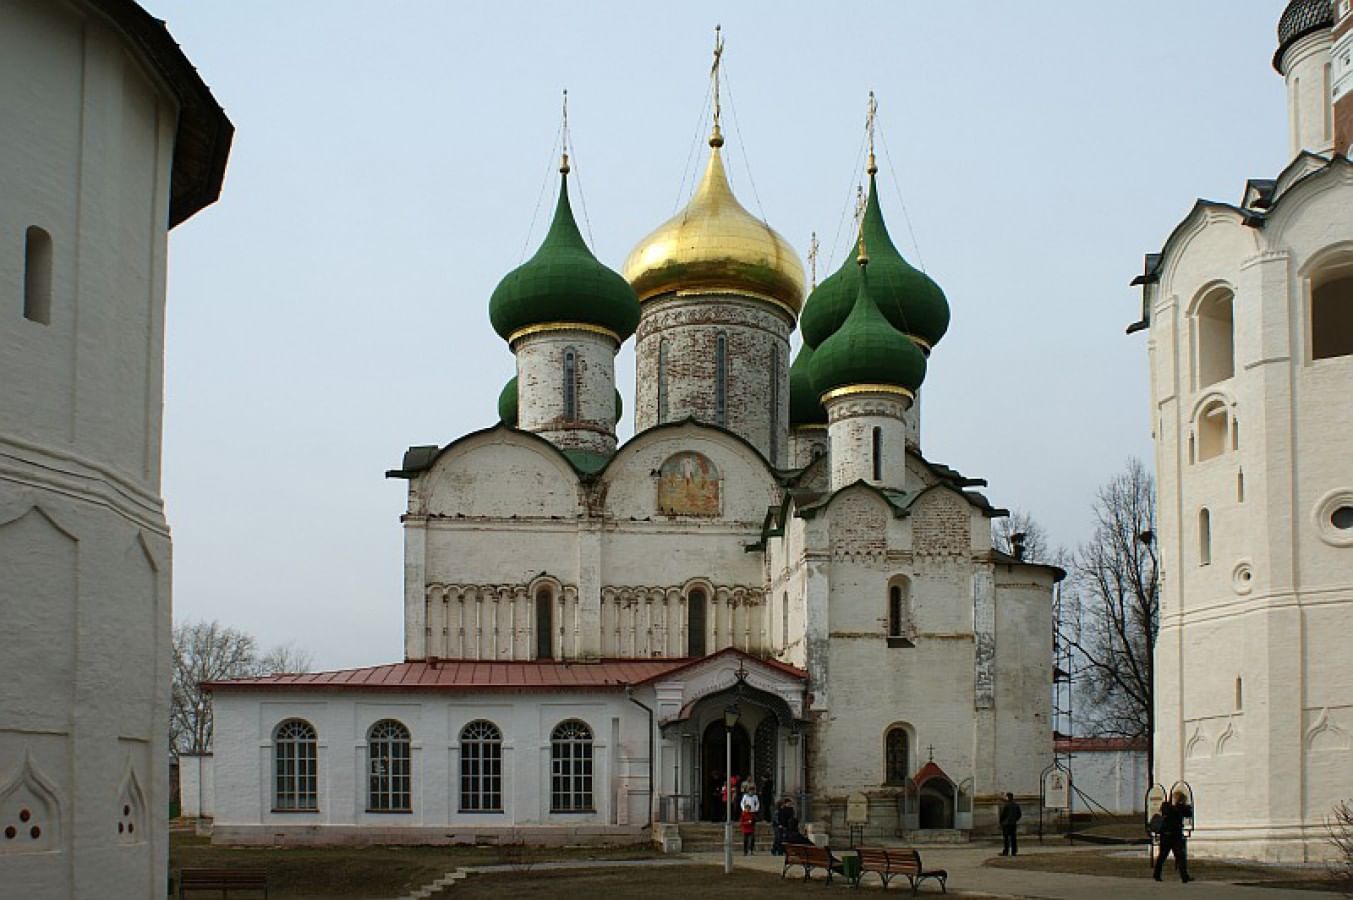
x: 484, y: 675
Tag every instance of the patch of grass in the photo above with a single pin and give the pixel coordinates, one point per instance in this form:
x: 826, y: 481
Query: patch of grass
x: 345, y: 873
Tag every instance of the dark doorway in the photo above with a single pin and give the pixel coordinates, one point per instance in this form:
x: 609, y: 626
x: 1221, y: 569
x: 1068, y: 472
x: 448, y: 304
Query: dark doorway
x: 937, y: 804
x: 712, y: 760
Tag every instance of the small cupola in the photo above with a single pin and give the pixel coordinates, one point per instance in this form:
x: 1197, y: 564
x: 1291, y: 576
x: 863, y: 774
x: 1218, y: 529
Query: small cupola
x: 866, y: 351
x: 908, y: 298
x: 805, y: 404
x: 563, y: 284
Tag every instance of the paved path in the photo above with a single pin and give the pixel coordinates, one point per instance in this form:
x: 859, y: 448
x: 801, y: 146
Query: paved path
x: 969, y: 877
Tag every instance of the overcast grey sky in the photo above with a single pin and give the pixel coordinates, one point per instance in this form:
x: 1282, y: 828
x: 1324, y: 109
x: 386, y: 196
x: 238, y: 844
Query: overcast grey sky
x: 331, y: 309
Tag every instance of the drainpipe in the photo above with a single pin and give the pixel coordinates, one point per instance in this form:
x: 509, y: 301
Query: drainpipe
x: 652, y: 769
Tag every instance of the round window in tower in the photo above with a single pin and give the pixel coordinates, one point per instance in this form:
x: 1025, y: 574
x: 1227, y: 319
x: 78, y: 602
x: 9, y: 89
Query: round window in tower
x: 1334, y: 517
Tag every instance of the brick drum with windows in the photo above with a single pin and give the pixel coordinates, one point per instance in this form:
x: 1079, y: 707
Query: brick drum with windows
x: 579, y: 616
x: 1249, y: 315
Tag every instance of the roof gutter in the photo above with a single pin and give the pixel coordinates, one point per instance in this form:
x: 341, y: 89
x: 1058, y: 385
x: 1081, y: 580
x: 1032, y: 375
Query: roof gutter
x: 652, y: 779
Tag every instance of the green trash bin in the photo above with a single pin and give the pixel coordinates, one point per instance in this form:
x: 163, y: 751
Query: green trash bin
x: 850, y: 867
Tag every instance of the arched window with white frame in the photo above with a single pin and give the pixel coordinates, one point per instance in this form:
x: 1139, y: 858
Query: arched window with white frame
x: 571, y: 767
x: 389, y: 770
x: 481, y: 767
x: 295, y: 754
x: 1214, y: 337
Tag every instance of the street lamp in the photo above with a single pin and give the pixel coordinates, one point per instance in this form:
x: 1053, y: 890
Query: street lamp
x: 730, y: 719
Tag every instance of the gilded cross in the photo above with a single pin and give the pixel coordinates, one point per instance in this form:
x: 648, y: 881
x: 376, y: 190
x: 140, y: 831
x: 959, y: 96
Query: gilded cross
x: 714, y: 77
x: 869, y: 118
x: 812, y: 257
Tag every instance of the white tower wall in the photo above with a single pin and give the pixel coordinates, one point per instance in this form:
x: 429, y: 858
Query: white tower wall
x: 677, y: 367
x: 1307, y: 68
x: 1254, y: 697
x: 85, y: 156
x: 544, y: 373
x: 856, y: 453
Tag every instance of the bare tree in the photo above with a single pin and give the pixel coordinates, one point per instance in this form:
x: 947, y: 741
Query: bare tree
x: 1340, y: 827
x: 208, y: 651
x: 1115, y: 582
x: 285, y: 658
x: 1019, y: 534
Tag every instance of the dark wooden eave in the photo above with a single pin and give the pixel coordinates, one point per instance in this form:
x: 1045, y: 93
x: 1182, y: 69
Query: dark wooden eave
x: 204, y: 133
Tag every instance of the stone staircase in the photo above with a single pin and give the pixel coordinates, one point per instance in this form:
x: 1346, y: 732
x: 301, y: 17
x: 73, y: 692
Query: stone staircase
x: 436, y: 887
x: 701, y: 836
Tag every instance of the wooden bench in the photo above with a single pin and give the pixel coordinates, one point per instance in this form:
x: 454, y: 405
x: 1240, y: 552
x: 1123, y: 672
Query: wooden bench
x: 888, y: 864
x: 223, y: 880
x: 810, y: 857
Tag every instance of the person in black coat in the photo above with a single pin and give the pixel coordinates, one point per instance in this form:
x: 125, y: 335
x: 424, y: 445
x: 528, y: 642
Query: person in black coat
x: 784, y: 817
x: 1172, y: 837
x: 1009, y: 818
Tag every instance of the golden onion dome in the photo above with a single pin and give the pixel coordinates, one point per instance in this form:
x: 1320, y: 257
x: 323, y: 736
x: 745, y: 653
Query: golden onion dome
x: 714, y: 245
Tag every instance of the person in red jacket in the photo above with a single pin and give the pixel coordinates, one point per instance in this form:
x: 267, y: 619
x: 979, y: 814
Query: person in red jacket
x: 748, y: 825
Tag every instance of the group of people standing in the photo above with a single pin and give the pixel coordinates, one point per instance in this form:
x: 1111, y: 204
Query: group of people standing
x: 783, y: 819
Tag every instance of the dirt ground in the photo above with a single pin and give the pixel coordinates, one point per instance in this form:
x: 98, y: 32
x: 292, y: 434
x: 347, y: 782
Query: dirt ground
x: 346, y: 873
x: 697, y: 882
x: 1135, y: 863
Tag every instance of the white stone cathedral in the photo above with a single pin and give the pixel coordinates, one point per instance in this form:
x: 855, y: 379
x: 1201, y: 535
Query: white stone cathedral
x: 1249, y: 314
x: 580, y: 617
x: 108, y: 138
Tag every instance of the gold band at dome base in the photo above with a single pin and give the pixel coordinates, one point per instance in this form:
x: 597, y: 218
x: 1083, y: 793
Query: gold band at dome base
x: 851, y: 390
x: 735, y: 293
x: 922, y: 343
x: 562, y: 326
x: 807, y: 428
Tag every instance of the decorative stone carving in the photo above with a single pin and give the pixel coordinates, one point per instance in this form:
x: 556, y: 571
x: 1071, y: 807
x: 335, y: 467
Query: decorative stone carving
x: 30, y: 812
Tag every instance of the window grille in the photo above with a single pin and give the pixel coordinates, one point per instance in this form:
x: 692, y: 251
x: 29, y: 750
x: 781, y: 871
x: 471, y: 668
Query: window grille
x: 695, y: 624
x: 662, y: 381
x: 295, y: 767
x: 481, y: 767
x: 571, y: 767
x: 544, y: 624
x: 721, y: 380
x: 895, y: 756
x: 895, y: 611
x: 774, y: 404
x: 570, y: 384
x: 388, y: 768
x: 878, y: 454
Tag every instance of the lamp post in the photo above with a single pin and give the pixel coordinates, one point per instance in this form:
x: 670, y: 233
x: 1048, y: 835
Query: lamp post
x: 730, y: 719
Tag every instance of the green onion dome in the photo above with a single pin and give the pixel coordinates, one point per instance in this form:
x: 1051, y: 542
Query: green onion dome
x: 564, y: 283
x: 866, y: 349
x: 909, y: 298
x: 805, y: 404
x: 507, y: 403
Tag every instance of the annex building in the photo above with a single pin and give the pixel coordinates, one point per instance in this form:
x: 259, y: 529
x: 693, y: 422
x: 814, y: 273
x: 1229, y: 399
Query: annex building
x: 1248, y: 311
x: 581, y: 616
